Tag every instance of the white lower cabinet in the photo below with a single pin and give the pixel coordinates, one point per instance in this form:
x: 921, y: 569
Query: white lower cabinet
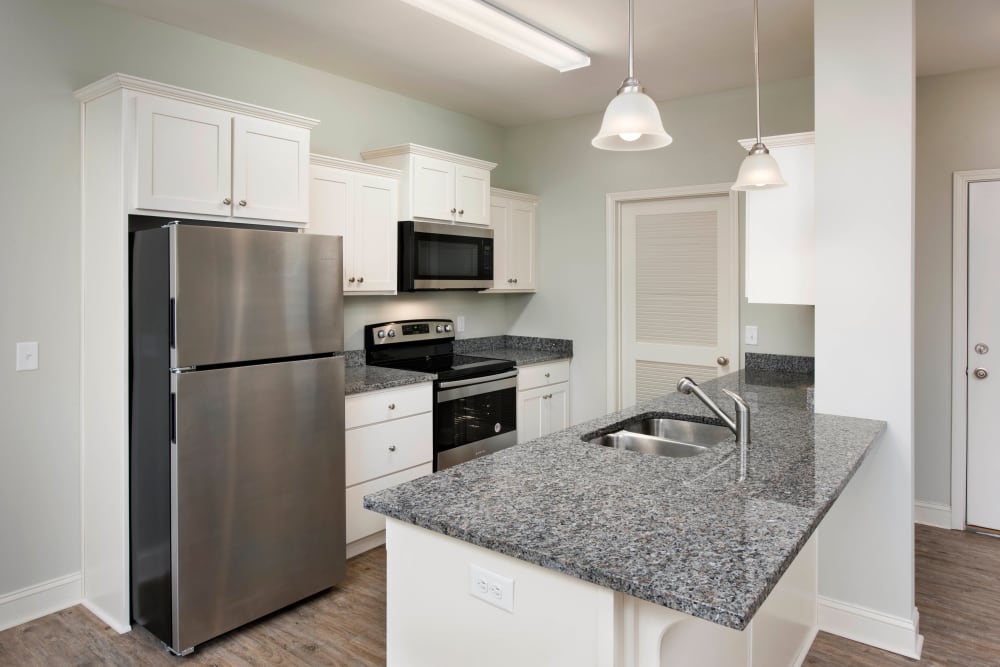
x: 542, y: 399
x: 388, y: 441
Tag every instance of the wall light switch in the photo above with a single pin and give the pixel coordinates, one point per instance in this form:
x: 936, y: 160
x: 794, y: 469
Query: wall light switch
x: 460, y: 323
x: 491, y: 587
x: 27, y: 356
x: 750, y: 334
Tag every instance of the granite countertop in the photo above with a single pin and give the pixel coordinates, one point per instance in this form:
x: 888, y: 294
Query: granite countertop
x: 523, y: 350
x: 682, y: 533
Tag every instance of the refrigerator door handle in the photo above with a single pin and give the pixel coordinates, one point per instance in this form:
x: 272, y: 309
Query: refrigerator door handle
x: 173, y: 418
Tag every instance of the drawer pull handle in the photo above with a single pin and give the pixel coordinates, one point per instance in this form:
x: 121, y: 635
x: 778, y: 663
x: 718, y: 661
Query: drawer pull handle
x: 392, y: 406
x: 392, y: 448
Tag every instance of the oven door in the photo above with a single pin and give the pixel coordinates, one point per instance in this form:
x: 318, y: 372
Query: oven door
x: 436, y: 256
x: 474, y: 417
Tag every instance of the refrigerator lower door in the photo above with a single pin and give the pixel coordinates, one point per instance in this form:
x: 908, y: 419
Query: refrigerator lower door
x: 257, y: 488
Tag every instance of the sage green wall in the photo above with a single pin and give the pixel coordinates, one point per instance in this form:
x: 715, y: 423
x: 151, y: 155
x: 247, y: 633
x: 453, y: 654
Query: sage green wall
x: 556, y: 161
x: 957, y: 116
x: 52, y: 47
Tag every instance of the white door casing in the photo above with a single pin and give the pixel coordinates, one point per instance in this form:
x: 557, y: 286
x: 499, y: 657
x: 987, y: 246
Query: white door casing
x: 673, y: 261
x: 983, y: 348
x: 961, y: 182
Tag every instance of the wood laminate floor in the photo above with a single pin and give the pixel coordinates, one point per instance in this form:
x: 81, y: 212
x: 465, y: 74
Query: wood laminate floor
x: 958, y: 595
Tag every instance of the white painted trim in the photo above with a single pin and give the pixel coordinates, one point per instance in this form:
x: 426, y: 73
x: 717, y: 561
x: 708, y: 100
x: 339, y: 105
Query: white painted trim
x: 800, y: 659
x: 932, y: 514
x: 960, y: 334
x: 782, y: 140
x: 510, y: 194
x: 613, y: 204
x: 118, y: 81
x: 105, y: 617
x: 427, y: 151
x: 367, y: 543
x: 890, y: 633
x: 39, y: 600
x: 318, y: 160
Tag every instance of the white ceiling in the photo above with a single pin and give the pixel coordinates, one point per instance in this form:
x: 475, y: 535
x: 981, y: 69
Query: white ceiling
x: 683, y: 47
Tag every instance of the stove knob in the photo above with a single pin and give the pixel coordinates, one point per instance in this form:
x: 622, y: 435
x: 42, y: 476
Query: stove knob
x: 392, y: 333
x: 439, y: 328
x: 381, y: 333
x: 447, y: 327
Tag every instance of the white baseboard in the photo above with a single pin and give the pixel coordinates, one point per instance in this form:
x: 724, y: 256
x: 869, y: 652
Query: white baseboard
x: 890, y: 633
x: 358, y: 547
x: 39, y: 600
x: 105, y: 617
x: 932, y: 514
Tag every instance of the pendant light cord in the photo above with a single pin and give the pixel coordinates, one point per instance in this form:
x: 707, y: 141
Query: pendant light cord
x: 631, y: 58
x: 756, y: 66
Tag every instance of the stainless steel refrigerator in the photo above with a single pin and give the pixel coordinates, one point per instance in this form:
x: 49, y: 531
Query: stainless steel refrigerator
x: 237, y: 426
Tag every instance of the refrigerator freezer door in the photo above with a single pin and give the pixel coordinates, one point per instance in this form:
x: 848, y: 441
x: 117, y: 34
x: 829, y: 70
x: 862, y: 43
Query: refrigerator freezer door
x: 246, y: 294
x: 257, y: 491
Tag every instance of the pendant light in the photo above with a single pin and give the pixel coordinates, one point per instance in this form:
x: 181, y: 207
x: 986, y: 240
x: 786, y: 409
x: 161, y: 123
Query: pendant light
x: 631, y: 121
x: 759, y: 170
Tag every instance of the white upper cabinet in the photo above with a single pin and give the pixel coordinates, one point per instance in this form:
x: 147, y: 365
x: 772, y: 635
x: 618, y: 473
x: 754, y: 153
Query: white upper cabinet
x: 195, y: 159
x: 359, y: 202
x: 514, y: 219
x: 780, y: 228
x: 437, y: 185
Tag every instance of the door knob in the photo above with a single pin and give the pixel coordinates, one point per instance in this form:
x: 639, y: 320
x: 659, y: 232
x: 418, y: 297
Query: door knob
x: 981, y: 373
x: 982, y: 348
x: 722, y: 361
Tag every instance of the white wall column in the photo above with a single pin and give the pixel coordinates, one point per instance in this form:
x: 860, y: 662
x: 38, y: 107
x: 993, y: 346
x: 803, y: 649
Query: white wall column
x: 864, y: 309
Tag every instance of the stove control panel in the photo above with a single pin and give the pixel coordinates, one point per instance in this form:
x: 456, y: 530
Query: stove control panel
x: 406, y: 331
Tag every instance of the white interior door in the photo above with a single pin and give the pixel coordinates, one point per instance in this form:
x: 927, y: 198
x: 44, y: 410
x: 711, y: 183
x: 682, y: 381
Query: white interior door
x: 679, y: 282
x: 983, y: 470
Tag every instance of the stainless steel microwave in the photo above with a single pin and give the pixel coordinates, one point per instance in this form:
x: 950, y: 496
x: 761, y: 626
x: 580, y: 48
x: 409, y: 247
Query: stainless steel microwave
x: 440, y: 256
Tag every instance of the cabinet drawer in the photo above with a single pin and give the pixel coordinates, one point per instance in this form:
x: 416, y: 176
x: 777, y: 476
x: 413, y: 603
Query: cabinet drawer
x: 380, y: 406
x: 362, y: 522
x: 381, y: 449
x: 540, y: 375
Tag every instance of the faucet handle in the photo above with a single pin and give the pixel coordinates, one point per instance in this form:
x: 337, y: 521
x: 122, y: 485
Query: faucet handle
x: 740, y: 401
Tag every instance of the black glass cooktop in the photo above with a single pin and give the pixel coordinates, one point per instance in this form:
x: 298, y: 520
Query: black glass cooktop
x: 451, y: 366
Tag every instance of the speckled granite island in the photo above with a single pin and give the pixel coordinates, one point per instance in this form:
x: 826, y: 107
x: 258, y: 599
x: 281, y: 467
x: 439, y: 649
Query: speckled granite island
x: 619, y: 558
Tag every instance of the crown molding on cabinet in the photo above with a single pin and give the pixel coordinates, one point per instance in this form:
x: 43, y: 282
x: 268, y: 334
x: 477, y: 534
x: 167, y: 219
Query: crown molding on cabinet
x: 350, y: 165
x: 118, y: 81
x: 782, y: 140
x: 426, y: 151
x: 510, y: 194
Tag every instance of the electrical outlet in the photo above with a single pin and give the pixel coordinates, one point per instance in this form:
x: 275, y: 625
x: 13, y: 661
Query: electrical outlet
x: 460, y: 323
x: 491, y: 587
x: 27, y: 356
x: 750, y: 334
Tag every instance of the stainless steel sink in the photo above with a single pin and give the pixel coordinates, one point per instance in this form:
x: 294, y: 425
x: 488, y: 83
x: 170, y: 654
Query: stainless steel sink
x: 675, y: 438
x: 647, y: 444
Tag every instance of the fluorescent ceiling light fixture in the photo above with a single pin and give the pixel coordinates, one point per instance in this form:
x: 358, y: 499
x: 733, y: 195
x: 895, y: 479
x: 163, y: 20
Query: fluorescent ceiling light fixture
x: 495, y: 24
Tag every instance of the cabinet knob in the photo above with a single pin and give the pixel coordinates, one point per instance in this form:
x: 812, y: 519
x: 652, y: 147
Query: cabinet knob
x: 453, y: 211
x: 723, y: 361
x: 515, y: 281
x: 227, y: 201
x: 547, y: 374
x: 351, y: 279
x: 243, y: 202
x: 392, y: 448
x: 461, y: 211
x: 392, y: 406
x: 981, y: 373
x: 361, y: 279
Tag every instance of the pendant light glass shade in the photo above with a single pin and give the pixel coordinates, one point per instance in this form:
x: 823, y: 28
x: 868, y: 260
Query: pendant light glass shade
x: 759, y: 170
x: 632, y: 120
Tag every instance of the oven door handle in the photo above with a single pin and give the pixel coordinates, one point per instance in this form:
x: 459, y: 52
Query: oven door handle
x: 477, y: 380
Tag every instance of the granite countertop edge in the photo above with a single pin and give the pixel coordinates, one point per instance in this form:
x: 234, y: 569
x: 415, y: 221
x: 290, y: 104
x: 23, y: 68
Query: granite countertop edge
x: 840, y: 447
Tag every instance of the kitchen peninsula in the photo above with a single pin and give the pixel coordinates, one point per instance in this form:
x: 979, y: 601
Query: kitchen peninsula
x: 597, y: 556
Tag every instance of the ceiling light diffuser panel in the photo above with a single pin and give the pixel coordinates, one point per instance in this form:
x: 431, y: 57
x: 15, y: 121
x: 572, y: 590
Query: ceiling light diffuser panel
x: 497, y: 25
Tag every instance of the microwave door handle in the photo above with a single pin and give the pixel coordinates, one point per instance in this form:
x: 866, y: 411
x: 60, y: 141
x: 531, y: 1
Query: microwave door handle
x: 477, y: 380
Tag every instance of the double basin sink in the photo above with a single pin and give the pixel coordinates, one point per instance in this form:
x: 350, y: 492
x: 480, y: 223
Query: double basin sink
x: 662, y: 436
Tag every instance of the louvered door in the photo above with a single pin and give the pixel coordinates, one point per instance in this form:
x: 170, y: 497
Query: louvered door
x: 679, y: 285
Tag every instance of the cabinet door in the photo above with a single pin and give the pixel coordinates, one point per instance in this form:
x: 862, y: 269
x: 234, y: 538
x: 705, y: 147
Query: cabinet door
x: 331, y: 209
x: 556, y: 408
x: 530, y: 414
x: 270, y: 171
x: 472, y: 195
x: 500, y: 221
x: 374, y: 232
x: 433, y: 185
x: 520, y: 245
x: 183, y: 157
